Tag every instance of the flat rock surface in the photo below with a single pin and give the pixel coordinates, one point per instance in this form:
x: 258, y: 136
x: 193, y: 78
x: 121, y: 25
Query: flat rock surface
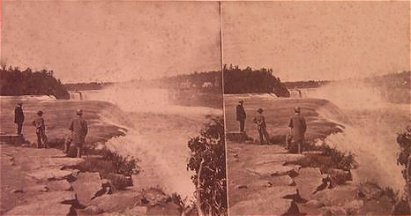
x: 261, y: 207
x: 41, y: 208
x: 276, y: 158
x: 86, y: 186
x: 270, y: 169
x: 51, y: 174
x: 56, y: 197
x: 260, y: 184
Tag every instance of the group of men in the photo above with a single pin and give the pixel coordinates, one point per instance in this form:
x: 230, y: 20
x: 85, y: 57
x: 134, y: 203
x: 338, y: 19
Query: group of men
x: 297, y: 125
x: 78, y: 128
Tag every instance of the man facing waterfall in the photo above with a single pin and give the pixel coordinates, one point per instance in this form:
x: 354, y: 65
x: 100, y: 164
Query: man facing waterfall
x: 298, y: 127
x: 79, y: 130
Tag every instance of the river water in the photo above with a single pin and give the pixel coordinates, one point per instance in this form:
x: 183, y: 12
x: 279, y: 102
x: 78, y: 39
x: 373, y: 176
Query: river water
x: 158, y: 132
x: 370, y: 130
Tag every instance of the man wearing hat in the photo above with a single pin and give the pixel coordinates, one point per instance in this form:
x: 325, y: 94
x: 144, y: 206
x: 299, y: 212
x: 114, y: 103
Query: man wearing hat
x: 241, y: 116
x: 19, y: 117
x: 259, y: 120
x: 298, y: 127
x: 79, y: 129
x: 40, y: 130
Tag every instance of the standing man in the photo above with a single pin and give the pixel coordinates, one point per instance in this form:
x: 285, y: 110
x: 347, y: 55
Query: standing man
x: 298, y: 127
x: 79, y: 131
x: 241, y: 116
x: 259, y: 120
x: 40, y: 130
x: 19, y: 117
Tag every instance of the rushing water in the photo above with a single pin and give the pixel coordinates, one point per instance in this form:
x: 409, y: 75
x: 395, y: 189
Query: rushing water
x: 158, y: 133
x: 370, y: 131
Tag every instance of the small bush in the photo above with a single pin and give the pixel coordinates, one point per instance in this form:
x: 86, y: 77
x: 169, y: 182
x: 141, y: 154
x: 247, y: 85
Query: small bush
x: 341, y: 160
x: 112, y: 166
x: 122, y: 165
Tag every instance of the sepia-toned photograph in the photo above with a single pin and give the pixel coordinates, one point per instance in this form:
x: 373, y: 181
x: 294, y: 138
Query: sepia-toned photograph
x: 317, y: 103
x: 112, y: 108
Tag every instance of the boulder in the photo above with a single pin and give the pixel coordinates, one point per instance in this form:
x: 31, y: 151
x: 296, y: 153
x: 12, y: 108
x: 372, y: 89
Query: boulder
x: 86, y: 186
x: 346, y: 193
x: 308, y: 181
x: 61, y: 185
x: 117, y: 201
x: 41, y: 208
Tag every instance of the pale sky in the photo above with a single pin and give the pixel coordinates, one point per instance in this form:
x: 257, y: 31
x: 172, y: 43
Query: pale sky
x: 318, y: 40
x: 111, y: 41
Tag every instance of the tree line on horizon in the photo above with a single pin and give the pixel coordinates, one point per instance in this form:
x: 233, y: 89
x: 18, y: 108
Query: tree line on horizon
x: 15, y: 82
x: 248, y: 80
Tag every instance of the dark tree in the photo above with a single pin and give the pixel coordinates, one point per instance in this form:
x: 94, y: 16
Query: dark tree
x: 248, y: 80
x: 208, y: 162
x: 14, y: 82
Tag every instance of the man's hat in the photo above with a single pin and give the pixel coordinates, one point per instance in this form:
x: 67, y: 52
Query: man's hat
x: 297, y: 109
x: 20, y: 103
x: 40, y: 112
x: 241, y: 101
x: 79, y: 112
x: 260, y: 110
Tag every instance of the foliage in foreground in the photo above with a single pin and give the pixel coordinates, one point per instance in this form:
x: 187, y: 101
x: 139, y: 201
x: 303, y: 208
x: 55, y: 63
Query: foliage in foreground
x: 112, y: 166
x: 208, y: 162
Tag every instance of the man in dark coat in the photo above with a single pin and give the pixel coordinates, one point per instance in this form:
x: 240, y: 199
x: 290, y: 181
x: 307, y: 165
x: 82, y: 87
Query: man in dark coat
x: 19, y: 117
x: 298, y: 127
x: 79, y: 129
x: 259, y: 120
x: 241, y: 116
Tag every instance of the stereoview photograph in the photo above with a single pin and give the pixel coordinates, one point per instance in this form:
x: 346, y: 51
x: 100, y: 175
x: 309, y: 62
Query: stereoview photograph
x: 112, y: 108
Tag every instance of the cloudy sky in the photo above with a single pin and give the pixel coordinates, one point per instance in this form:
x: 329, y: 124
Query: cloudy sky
x: 318, y: 40
x: 111, y: 41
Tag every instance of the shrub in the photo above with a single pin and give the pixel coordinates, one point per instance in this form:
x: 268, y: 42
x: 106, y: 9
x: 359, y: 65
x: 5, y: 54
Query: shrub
x: 341, y: 160
x: 209, y: 165
x: 121, y: 165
